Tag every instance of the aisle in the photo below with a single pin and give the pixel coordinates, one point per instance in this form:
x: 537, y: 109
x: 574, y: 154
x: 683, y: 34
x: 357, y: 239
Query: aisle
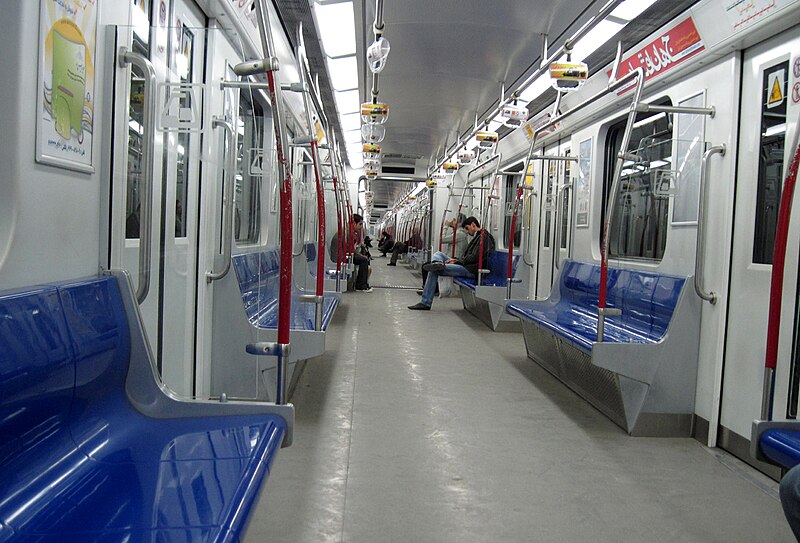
x: 428, y: 427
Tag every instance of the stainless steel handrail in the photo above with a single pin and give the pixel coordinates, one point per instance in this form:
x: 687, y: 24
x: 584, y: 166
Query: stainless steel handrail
x: 559, y: 208
x: 699, y: 260
x: 227, y: 199
x: 126, y: 57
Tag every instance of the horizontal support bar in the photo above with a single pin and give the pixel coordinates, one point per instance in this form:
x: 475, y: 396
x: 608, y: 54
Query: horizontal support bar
x: 647, y: 108
x: 563, y: 158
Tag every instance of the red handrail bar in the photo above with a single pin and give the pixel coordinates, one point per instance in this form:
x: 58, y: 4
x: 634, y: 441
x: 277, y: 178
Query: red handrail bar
x: 776, y: 285
x: 352, y: 229
x: 321, y: 223
x: 285, y: 282
x: 339, y: 224
x: 511, y: 241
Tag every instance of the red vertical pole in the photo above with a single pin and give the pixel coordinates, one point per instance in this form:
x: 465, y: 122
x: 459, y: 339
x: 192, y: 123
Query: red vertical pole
x: 352, y: 229
x: 339, y: 219
x: 285, y: 282
x: 321, y: 223
x: 511, y: 235
x: 778, y: 263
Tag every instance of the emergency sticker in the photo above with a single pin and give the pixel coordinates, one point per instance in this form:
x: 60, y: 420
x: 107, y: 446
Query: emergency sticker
x: 776, y: 91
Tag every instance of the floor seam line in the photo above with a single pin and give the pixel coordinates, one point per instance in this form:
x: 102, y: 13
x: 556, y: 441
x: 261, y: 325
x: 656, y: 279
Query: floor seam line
x: 350, y: 437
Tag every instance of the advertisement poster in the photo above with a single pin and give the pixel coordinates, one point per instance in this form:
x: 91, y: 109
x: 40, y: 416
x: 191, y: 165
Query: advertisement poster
x: 65, y: 97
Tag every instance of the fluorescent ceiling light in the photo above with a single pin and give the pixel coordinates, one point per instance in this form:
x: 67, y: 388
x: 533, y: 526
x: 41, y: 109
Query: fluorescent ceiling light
x: 351, y: 121
x: 336, y: 28
x: 344, y: 73
x: 630, y: 9
x: 354, y: 149
x: 419, y: 188
x: 537, y: 88
x: 604, y: 31
x: 352, y: 136
x: 347, y: 101
x: 494, y: 125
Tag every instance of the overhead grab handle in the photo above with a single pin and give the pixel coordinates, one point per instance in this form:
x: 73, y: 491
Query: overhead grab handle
x: 126, y: 57
x: 699, y: 259
x: 227, y: 199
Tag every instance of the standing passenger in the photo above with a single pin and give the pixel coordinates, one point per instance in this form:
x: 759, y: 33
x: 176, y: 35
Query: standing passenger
x: 466, y: 266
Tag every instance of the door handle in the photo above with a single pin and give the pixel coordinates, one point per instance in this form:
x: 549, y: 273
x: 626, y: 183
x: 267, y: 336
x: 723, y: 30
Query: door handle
x: 126, y: 57
x: 227, y: 199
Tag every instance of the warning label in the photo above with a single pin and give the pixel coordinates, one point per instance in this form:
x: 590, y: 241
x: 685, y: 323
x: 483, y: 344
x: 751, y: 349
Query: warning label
x: 776, y: 91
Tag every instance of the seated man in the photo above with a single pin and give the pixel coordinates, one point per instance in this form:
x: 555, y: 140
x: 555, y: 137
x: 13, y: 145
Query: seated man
x: 359, y: 260
x: 401, y: 248
x: 453, y: 226
x: 386, y: 243
x: 466, y: 266
x: 790, y: 499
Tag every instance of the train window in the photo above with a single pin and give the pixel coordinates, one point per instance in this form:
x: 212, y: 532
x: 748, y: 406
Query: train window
x: 182, y: 66
x: 247, y: 191
x: 770, y: 161
x: 510, y: 198
x: 135, y: 136
x: 549, y: 199
x: 563, y: 213
x: 639, y: 224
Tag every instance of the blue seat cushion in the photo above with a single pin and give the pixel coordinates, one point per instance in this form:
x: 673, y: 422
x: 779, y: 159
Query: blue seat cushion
x: 781, y: 447
x: 647, y: 300
x: 79, y: 463
x: 259, y: 280
x: 498, y: 276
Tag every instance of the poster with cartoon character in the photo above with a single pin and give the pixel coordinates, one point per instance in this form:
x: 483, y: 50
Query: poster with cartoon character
x: 66, y: 97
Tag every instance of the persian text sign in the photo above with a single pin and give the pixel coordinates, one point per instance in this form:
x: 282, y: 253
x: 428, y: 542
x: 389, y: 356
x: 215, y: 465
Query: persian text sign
x: 676, y: 45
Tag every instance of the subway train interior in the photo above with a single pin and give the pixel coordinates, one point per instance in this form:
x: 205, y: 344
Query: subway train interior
x: 554, y: 244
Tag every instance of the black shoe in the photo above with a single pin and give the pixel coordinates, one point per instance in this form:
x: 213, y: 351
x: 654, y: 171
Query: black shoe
x: 391, y: 264
x: 435, y: 266
x: 420, y: 291
x: 420, y: 307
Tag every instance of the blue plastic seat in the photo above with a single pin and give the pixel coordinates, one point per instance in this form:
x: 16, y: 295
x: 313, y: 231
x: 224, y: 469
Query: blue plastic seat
x: 80, y: 462
x: 259, y: 277
x: 781, y: 446
x: 498, y: 267
x: 647, y: 300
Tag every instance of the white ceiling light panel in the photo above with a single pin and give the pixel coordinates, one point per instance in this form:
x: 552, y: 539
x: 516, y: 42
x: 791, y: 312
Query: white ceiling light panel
x: 336, y: 28
x: 347, y: 102
x: 344, y: 73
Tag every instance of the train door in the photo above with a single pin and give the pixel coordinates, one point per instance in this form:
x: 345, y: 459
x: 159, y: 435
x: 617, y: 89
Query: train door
x: 234, y: 138
x: 766, y: 128
x: 172, y: 40
x: 545, y: 255
x: 563, y: 205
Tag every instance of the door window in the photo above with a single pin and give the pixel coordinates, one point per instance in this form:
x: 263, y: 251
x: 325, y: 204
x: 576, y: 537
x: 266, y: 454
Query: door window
x: 770, y: 160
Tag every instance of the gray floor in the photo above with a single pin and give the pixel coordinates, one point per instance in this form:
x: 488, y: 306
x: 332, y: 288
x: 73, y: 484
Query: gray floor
x: 428, y: 427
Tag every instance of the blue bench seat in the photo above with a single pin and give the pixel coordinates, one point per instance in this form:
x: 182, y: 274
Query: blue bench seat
x: 781, y: 446
x: 258, y: 274
x: 498, y: 272
x: 487, y: 301
x: 91, y: 447
x: 644, y: 373
x: 647, y: 301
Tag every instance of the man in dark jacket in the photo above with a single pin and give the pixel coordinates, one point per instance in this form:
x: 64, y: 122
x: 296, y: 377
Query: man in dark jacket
x: 466, y: 266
